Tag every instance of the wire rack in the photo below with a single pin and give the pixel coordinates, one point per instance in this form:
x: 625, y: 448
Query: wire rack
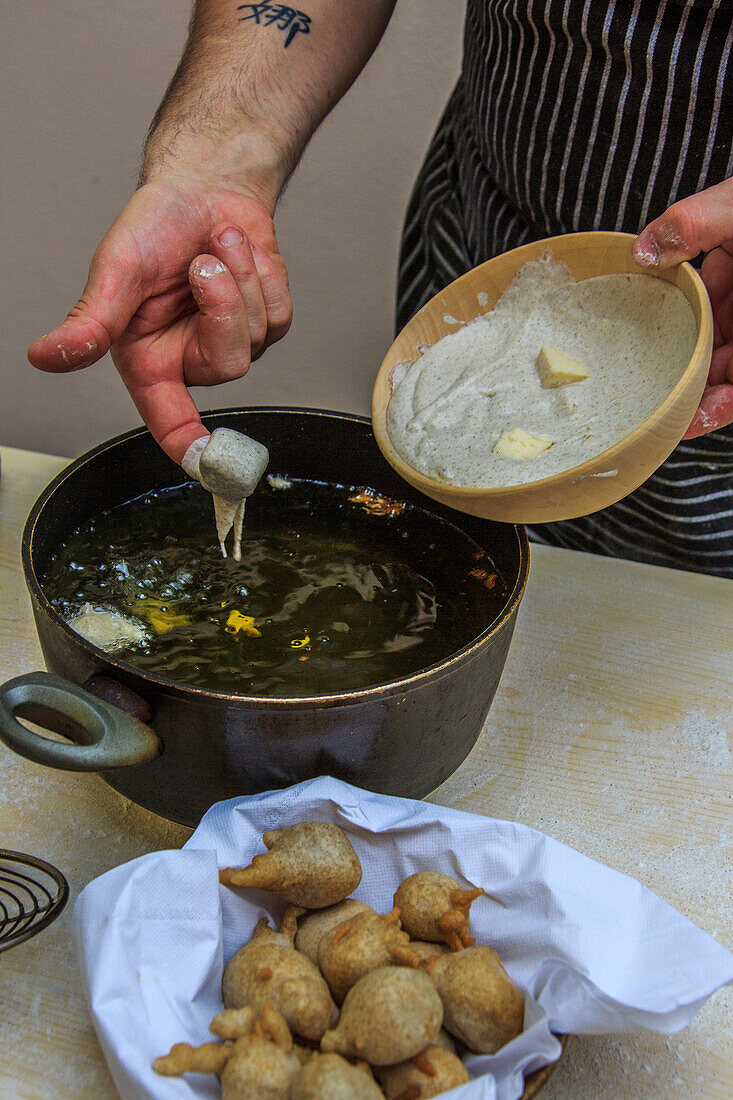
x: 32, y: 894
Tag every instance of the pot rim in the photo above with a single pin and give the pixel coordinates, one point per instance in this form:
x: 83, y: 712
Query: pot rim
x: 191, y: 691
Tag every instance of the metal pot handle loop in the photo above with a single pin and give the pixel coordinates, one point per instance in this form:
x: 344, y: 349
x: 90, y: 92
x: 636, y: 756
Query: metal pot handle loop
x: 105, y: 736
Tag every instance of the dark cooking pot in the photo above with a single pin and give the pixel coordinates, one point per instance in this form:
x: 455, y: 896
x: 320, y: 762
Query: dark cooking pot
x: 176, y: 749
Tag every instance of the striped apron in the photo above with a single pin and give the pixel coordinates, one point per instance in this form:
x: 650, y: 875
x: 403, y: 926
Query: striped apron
x: 575, y: 115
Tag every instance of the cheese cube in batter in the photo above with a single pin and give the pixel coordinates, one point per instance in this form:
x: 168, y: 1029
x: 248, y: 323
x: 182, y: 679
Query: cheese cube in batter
x: 231, y: 464
x: 518, y: 443
x: 555, y: 368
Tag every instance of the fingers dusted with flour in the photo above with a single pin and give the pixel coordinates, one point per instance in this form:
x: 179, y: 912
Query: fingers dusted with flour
x: 188, y: 286
x: 702, y: 223
x: 696, y: 224
x: 218, y: 345
x: 715, y: 411
x: 232, y: 246
x: 113, y: 292
x: 174, y: 292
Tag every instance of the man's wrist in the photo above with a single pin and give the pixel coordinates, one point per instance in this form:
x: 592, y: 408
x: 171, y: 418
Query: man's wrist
x: 212, y: 124
x: 247, y: 160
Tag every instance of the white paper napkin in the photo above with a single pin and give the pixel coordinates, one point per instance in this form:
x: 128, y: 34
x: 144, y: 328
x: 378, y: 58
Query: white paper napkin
x: 593, y: 950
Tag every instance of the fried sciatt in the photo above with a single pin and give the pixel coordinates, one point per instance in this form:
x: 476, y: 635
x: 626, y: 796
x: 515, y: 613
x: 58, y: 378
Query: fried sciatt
x: 435, y: 908
x: 425, y: 950
x: 331, y: 1077
x: 444, y: 1040
x: 318, y: 923
x: 358, y: 945
x: 259, y: 1065
x: 482, y: 1005
x: 258, y: 1070
x: 311, y: 864
x: 280, y: 937
x: 266, y: 1023
x: 429, y: 1073
x: 390, y: 1015
x: 268, y: 969
x: 184, y: 1058
x: 230, y: 1024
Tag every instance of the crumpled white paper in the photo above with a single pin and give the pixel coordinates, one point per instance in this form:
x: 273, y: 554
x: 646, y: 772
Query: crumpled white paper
x: 593, y: 950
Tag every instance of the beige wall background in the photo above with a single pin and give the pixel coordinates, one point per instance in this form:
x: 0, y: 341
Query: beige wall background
x: 80, y: 84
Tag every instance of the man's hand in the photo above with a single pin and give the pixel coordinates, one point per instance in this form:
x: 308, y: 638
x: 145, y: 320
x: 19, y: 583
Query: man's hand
x: 187, y: 287
x: 702, y: 223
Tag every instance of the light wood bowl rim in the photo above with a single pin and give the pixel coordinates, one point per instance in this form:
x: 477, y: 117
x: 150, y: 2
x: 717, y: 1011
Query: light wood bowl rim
x: 455, y: 494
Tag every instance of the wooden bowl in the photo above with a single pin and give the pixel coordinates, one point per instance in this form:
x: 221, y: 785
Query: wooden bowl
x: 582, y: 489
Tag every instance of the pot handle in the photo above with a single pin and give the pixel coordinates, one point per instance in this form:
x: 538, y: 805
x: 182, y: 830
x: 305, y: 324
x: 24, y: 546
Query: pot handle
x: 105, y: 736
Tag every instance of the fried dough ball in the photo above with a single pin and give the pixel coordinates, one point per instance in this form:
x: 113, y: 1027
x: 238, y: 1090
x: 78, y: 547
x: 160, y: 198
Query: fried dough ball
x: 268, y: 1023
x: 253, y: 1068
x: 483, y: 1007
x: 303, y: 1054
x: 183, y: 1058
x: 289, y: 923
x: 388, y: 1016
x: 331, y: 1077
x: 322, y: 921
x: 232, y: 1023
x: 425, y: 950
x: 311, y: 864
x: 435, y: 907
x: 236, y: 1023
x: 444, y: 1040
x: 429, y: 1073
x: 357, y: 946
x: 416, y: 952
x: 265, y: 971
x: 258, y: 1070
x: 264, y: 934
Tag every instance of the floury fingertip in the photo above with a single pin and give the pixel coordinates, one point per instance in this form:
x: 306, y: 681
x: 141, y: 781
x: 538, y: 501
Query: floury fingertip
x: 209, y: 269
x: 645, y: 252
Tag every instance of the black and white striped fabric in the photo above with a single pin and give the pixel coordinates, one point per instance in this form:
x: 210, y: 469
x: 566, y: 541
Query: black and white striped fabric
x: 574, y: 115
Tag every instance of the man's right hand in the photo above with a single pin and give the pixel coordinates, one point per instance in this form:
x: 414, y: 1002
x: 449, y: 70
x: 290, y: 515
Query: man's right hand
x: 188, y: 288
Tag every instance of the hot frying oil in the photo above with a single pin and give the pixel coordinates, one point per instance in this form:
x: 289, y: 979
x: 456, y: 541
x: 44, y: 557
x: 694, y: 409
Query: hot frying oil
x: 338, y: 588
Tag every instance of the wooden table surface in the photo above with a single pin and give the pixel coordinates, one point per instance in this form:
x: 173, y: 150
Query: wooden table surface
x: 609, y: 732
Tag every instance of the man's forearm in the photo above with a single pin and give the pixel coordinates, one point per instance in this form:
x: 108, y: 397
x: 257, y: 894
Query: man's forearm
x: 254, y: 82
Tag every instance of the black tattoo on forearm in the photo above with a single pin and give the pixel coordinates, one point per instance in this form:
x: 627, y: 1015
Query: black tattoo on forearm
x: 290, y: 20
